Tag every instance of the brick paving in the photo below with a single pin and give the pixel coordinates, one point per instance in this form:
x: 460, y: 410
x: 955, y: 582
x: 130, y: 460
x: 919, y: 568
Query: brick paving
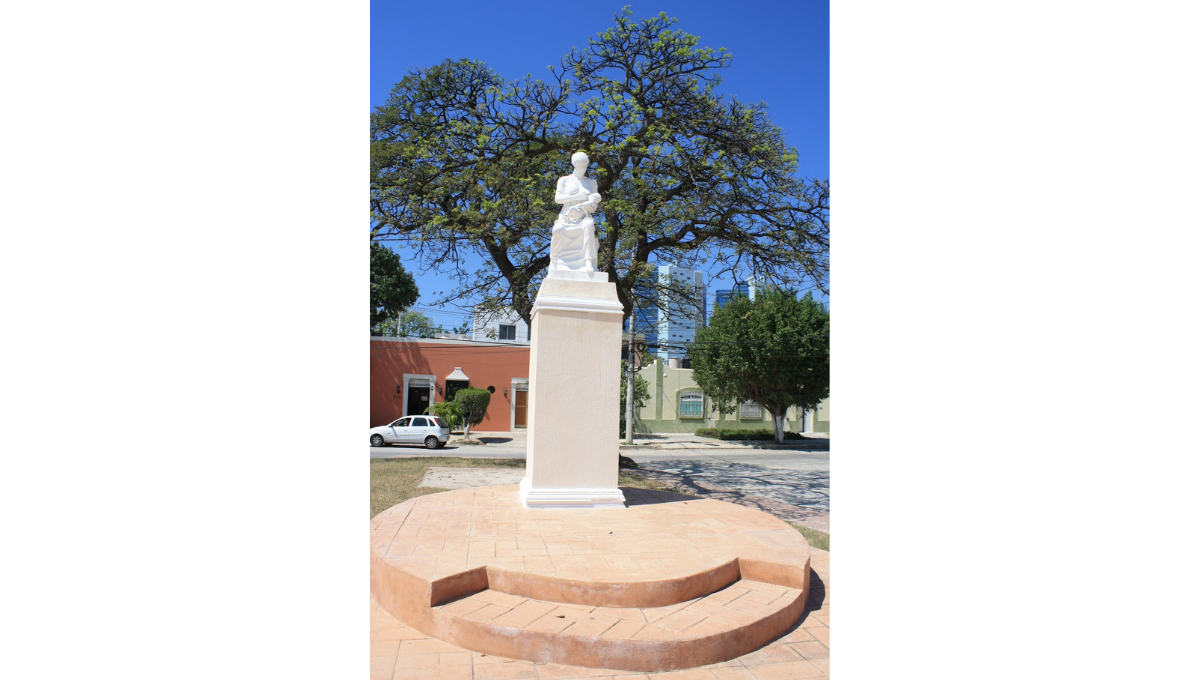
x: 399, y: 652
x: 438, y: 535
x: 739, y: 604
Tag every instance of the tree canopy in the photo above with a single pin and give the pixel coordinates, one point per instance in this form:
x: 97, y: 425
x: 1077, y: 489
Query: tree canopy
x: 772, y: 350
x: 464, y: 163
x: 392, y: 288
x: 409, y: 324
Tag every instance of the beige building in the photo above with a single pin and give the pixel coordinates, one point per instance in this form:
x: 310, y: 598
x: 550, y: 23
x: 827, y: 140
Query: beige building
x: 677, y: 404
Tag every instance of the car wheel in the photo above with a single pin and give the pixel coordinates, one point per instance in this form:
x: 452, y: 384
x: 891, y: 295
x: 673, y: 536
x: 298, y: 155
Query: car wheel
x: 376, y: 440
x: 431, y: 442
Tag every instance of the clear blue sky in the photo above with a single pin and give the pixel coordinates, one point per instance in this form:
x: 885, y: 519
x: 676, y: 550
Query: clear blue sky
x: 780, y: 56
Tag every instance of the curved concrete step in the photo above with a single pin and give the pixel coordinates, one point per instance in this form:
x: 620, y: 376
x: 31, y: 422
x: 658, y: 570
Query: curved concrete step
x: 717, y: 627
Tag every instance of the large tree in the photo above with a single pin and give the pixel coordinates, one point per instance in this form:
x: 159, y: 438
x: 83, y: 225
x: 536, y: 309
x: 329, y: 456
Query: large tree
x: 772, y: 350
x: 463, y: 165
x: 392, y: 288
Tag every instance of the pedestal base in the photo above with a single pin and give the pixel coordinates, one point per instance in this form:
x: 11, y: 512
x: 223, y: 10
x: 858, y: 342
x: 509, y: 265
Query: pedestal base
x: 571, y: 498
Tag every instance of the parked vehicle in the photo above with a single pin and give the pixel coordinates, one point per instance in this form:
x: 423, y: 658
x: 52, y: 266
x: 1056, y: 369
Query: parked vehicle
x: 431, y: 431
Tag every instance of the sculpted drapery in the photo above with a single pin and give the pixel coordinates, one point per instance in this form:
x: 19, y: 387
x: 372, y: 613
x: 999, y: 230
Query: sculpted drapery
x: 573, y: 243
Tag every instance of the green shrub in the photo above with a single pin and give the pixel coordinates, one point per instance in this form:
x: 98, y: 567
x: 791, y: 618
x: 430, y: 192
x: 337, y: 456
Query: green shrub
x: 743, y: 435
x: 448, y: 411
x: 473, y: 404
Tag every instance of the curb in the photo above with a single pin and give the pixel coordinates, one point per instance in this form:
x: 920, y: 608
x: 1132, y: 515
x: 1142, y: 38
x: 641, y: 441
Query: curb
x: 735, y: 447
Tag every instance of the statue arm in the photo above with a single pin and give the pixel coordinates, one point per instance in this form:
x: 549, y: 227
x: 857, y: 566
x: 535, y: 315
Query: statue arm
x: 561, y: 196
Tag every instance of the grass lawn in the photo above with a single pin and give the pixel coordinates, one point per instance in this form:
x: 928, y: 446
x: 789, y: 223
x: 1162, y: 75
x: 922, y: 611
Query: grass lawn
x: 817, y: 539
x: 395, y: 480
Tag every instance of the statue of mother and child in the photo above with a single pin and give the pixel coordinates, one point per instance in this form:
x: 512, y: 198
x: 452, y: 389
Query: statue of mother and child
x: 573, y: 243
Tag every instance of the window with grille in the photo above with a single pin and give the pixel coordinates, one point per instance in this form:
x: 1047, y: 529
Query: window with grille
x: 691, y: 405
x: 508, y: 332
x: 750, y: 410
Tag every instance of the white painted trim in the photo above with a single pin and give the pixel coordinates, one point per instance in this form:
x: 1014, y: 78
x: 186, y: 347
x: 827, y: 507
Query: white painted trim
x: 432, y: 390
x: 570, y: 498
x: 576, y: 304
x: 512, y: 403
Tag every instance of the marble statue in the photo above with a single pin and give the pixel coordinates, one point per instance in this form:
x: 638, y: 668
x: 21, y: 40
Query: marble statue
x: 573, y: 243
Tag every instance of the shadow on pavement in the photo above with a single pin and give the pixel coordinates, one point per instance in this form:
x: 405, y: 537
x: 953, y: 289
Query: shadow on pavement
x: 650, y: 497
x: 803, y: 489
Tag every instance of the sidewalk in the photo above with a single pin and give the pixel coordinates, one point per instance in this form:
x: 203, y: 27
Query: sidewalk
x: 667, y: 441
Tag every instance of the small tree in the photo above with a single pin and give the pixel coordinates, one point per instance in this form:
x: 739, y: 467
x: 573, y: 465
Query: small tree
x: 773, y: 350
x: 473, y: 403
x: 641, y: 393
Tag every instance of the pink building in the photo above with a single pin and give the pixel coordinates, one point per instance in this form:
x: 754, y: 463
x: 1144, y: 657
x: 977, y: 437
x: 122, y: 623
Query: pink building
x: 408, y: 374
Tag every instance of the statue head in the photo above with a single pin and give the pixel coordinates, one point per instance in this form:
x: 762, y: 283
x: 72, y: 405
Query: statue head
x: 579, y: 157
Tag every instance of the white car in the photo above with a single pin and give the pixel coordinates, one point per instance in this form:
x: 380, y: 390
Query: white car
x: 432, y: 431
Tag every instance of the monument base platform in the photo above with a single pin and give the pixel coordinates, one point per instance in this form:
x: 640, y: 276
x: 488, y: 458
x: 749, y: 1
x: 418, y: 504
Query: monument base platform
x: 670, y: 582
x: 570, y: 498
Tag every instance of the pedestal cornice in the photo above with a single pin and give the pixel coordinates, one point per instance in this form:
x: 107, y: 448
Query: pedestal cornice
x: 577, y: 304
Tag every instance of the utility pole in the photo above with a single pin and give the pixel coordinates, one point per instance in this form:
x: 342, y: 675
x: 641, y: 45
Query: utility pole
x: 629, y: 373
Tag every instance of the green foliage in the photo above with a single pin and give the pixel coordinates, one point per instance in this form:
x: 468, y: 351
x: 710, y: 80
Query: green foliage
x: 392, y: 288
x: 773, y: 350
x: 408, y: 325
x: 449, y: 411
x: 473, y: 405
x: 464, y: 163
x: 743, y: 435
x: 641, y: 392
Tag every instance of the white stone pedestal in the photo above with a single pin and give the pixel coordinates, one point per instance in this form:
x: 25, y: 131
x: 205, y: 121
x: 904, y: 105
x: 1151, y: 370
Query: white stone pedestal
x: 573, y: 427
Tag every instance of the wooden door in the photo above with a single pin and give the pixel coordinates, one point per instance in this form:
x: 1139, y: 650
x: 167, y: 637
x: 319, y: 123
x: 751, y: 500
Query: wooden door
x: 520, y: 405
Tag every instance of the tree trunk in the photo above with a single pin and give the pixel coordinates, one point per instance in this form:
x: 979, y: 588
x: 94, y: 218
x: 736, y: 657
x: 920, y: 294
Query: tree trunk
x: 777, y: 421
x: 629, y: 393
x: 466, y: 428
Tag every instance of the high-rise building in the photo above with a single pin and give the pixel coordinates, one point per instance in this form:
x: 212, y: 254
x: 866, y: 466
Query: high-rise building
x: 645, y: 322
x: 678, y: 317
x: 744, y: 289
x: 723, y: 295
